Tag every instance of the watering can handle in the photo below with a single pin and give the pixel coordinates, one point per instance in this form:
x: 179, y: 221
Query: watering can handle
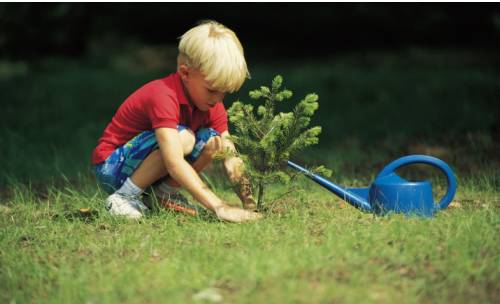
x: 429, y: 160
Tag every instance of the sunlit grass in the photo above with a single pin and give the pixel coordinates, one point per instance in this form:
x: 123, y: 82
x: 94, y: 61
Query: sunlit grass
x: 312, y: 248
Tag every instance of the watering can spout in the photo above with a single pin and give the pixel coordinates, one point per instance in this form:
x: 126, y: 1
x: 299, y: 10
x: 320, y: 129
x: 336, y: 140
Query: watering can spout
x: 356, y: 197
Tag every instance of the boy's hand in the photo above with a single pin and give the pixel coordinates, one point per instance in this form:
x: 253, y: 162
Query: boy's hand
x: 249, y: 203
x: 235, y: 214
x: 234, y: 170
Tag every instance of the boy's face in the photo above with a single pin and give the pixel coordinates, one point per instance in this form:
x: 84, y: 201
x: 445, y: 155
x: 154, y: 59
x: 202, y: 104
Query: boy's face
x: 198, y: 91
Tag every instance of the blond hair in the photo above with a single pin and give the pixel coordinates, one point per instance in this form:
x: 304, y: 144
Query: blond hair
x: 217, y: 53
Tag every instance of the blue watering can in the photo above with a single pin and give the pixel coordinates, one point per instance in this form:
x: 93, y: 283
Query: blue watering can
x: 392, y: 193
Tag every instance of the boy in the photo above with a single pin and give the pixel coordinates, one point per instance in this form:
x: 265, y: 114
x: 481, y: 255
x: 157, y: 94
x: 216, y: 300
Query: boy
x: 168, y: 119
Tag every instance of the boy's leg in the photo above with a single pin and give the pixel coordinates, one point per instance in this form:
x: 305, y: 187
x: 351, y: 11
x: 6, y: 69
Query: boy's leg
x: 138, y: 158
x: 213, y: 145
x: 152, y: 168
x: 208, y: 142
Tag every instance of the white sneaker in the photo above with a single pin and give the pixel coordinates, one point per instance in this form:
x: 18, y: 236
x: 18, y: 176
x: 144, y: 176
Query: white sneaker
x: 129, y: 207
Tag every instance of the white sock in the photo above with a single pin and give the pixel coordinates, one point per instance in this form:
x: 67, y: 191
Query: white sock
x: 130, y: 189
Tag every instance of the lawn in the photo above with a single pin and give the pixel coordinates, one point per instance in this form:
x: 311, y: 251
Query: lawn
x: 310, y: 247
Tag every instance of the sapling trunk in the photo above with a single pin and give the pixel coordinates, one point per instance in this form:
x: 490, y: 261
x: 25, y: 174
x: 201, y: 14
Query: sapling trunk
x: 266, y: 140
x: 260, y: 194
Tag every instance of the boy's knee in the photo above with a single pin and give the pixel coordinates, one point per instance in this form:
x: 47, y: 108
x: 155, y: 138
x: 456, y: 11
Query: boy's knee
x: 213, y: 145
x: 187, y: 140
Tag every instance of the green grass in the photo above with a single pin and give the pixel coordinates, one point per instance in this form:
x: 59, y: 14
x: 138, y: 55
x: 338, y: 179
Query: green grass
x: 311, y: 247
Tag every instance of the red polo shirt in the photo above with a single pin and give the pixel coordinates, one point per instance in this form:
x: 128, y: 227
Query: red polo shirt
x: 158, y: 104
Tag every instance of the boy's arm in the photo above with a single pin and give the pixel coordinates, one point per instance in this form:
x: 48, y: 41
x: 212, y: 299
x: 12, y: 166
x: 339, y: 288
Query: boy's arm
x: 178, y: 168
x: 234, y: 169
x: 173, y: 159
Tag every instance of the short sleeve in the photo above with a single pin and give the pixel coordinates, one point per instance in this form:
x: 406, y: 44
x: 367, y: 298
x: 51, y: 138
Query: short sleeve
x: 163, y: 111
x: 218, y: 118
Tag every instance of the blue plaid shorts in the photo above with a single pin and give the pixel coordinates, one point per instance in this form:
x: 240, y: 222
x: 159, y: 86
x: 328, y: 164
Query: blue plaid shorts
x: 112, y: 173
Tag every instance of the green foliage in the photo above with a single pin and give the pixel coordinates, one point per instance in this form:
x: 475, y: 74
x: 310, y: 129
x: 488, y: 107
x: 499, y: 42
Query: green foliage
x: 265, y: 140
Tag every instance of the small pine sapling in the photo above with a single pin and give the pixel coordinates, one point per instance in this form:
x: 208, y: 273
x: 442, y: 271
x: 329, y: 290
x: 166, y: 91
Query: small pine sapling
x: 266, y: 141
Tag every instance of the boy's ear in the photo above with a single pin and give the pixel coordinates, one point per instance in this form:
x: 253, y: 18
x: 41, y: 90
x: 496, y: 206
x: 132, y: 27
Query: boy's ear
x: 183, y: 71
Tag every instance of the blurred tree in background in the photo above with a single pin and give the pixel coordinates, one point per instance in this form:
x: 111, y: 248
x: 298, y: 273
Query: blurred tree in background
x: 32, y: 30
